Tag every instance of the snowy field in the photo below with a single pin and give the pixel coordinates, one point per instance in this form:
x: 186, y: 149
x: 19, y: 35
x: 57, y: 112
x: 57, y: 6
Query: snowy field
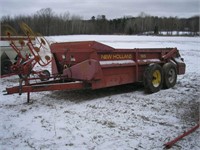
x: 118, y: 118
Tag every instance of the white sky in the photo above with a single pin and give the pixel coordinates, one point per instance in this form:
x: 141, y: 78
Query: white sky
x: 110, y: 8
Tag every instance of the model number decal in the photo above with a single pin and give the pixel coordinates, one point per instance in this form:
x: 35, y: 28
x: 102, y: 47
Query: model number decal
x: 143, y: 56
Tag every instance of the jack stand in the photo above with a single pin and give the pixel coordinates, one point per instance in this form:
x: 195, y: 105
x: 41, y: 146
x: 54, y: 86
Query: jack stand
x: 28, y: 97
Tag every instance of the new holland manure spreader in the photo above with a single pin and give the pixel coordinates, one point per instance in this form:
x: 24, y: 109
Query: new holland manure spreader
x: 93, y: 65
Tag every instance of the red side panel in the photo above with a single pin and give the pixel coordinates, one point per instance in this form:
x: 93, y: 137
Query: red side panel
x: 87, y: 70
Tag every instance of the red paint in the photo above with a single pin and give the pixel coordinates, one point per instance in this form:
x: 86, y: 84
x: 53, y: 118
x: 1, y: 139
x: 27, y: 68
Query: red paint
x: 100, y: 73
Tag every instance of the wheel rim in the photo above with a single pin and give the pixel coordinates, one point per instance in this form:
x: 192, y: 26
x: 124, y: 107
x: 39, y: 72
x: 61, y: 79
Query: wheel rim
x: 171, y: 75
x: 156, y: 78
x: 45, y: 76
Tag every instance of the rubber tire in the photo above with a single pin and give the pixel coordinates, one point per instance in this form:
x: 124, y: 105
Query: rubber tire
x: 148, y: 78
x: 5, y: 66
x: 47, y: 74
x: 169, y: 70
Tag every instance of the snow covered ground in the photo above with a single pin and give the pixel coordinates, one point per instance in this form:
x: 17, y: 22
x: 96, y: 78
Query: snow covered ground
x: 119, y: 118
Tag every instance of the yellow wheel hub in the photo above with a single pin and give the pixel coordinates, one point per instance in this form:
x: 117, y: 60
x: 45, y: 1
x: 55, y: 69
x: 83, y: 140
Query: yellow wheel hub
x: 156, y: 78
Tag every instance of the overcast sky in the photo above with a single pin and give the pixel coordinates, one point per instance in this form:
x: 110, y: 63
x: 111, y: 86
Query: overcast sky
x: 110, y: 8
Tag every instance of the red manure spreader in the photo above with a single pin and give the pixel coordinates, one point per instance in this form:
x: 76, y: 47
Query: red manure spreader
x: 90, y: 64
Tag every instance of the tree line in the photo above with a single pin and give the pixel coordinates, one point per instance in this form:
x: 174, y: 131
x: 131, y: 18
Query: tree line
x: 46, y: 22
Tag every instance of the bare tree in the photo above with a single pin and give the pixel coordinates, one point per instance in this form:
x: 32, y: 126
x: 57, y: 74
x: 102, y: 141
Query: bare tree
x: 46, y: 22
